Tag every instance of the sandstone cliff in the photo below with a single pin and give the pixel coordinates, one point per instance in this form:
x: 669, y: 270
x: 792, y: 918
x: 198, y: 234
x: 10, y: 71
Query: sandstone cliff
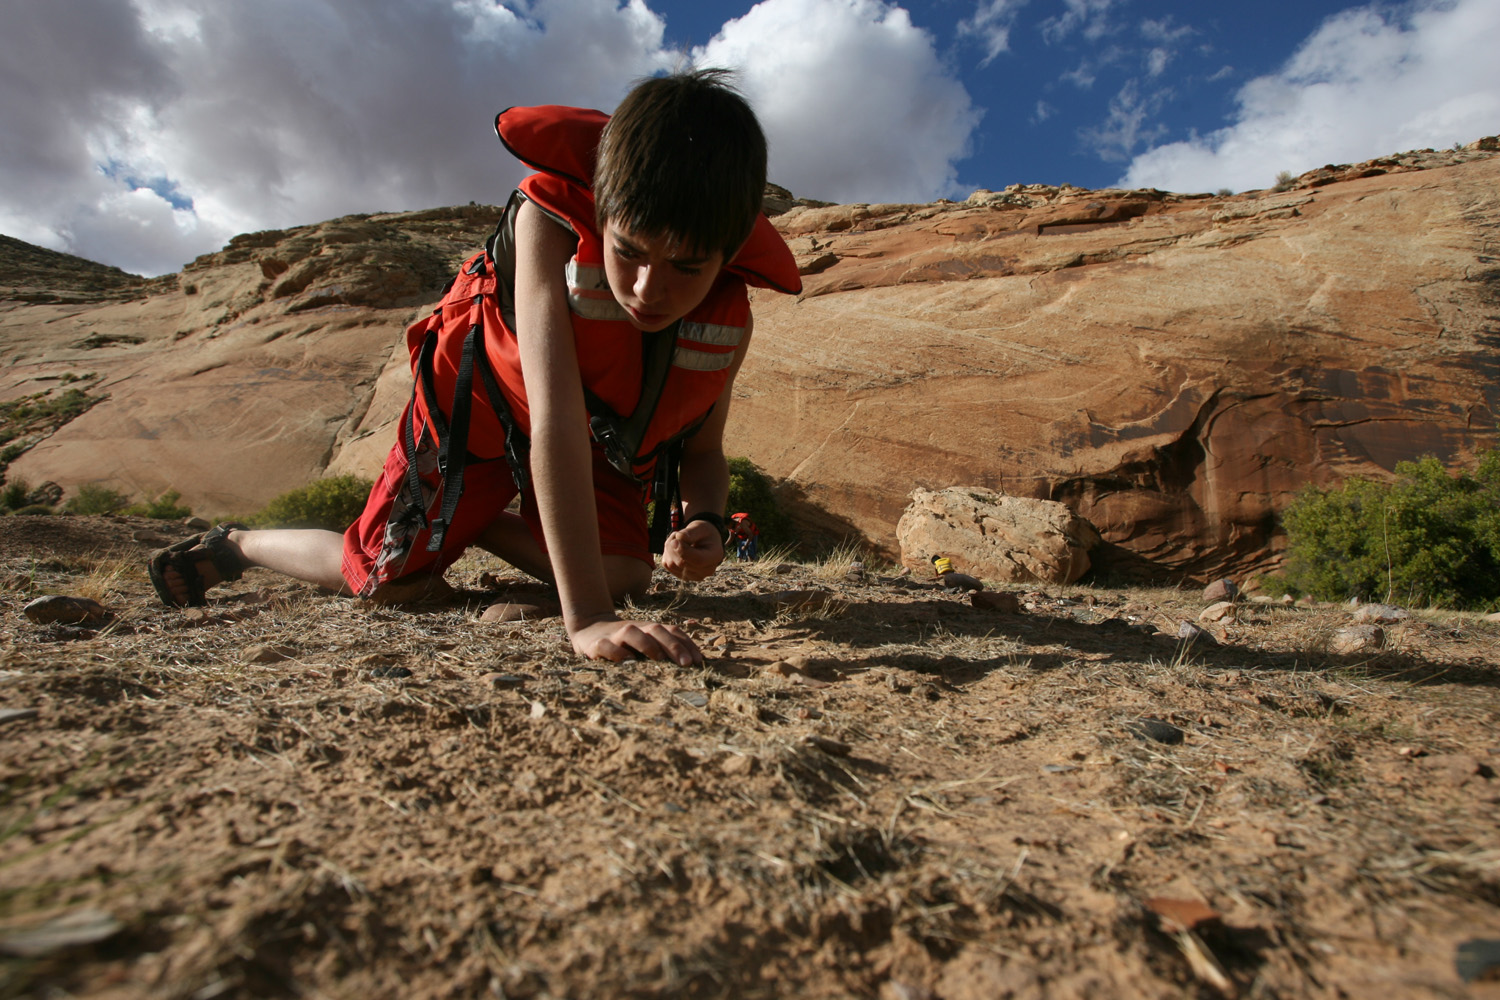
x: 1173, y: 367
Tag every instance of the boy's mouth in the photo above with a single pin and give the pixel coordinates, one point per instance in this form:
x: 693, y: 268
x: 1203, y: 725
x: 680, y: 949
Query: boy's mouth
x: 645, y: 318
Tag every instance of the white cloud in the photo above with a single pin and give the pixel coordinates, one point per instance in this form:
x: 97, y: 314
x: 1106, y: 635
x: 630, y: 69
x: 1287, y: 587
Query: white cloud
x: 1090, y: 17
x: 280, y: 112
x: 853, y: 97
x: 991, y: 23
x: 1127, y: 126
x: 1368, y: 81
x: 145, y: 132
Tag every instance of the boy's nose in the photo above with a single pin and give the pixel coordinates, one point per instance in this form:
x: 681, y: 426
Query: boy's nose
x: 648, y: 285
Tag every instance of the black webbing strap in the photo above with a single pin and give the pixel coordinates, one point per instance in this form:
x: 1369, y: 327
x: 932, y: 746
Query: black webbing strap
x: 621, y: 437
x: 453, y: 449
x: 666, y: 492
x: 517, y: 445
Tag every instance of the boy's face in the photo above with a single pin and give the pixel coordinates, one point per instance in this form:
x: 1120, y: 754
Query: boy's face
x: 654, y: 278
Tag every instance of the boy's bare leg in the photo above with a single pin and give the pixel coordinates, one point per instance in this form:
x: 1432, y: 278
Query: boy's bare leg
x: 509, y: 538
x: 310, y: 554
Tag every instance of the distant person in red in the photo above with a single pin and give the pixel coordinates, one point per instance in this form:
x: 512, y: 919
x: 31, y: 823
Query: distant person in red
x: 745, y: 537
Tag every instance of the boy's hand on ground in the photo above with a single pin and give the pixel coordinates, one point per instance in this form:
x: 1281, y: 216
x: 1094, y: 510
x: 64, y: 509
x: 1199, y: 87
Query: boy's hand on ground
x: 694, y: 552
x: 613, y: 639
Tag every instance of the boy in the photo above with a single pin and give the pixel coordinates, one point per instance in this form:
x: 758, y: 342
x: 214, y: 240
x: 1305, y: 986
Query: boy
x: 599, y: 265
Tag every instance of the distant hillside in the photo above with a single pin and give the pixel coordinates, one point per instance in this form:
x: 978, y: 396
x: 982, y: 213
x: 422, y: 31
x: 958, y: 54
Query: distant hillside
x: 35, y: 274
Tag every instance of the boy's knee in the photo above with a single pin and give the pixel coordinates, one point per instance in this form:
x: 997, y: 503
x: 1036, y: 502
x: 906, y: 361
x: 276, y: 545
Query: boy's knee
x: 627, y: 577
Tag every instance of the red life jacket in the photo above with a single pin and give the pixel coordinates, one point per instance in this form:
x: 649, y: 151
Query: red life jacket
x: 477, y: 308
x: 560, y: 142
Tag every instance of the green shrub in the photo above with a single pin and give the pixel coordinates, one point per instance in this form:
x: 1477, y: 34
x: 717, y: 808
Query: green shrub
x: 333, y: 503
x: 1285, y: 181
x: 1427, y: 538
x: 34, y: 508
x: 13, y: 497
x: 750, y: 491
x: 163, y: 508
x: 92, y: 498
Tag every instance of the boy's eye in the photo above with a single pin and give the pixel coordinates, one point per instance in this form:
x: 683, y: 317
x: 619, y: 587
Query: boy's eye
x: 688, y: 269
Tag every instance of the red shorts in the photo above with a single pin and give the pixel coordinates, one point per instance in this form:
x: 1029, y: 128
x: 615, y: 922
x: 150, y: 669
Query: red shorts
x: 386, y: 543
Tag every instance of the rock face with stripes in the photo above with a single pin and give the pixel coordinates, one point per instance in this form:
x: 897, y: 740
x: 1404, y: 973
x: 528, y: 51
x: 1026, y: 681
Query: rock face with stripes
x: 1174, y: 368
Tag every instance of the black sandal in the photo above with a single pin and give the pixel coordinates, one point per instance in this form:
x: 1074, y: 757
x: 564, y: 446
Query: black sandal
x: 185, y: 556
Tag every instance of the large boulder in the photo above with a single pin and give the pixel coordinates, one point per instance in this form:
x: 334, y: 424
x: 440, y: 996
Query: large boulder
x: 994, y: 536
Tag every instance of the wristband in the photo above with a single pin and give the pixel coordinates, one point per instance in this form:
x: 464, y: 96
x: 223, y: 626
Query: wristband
x: 717, y: 520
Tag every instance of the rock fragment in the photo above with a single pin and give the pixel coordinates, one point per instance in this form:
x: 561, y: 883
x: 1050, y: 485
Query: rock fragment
x: 1382, y: 613
x: 262, y: 653
x: 58, y: 609
x: 1357, y: 639
x: 996, y: 600
x: 1156, y: 729
x: 1220, y: 590
x: 1223, y: 611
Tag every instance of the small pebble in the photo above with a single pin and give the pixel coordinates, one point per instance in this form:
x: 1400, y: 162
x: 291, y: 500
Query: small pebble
x: 1357, y: 639
x: 16, y: 714
x: 1220, y: 612
x: 1384, y: 613
x: 504, y: 681
x: 829, y: 746
x: 391, y: 673
x: 509, y: 612
x: 996, y: 600
x: 268, y: 654
x: 697, y: 699
x: 1220, y: 590
x: 1156, y: 729
x: 1193, y: 634
x: 1059, y: 768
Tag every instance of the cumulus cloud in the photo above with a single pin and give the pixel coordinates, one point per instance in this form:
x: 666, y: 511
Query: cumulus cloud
x: 1370, y: 80
x: 855, y: 101
x: 145, y: 132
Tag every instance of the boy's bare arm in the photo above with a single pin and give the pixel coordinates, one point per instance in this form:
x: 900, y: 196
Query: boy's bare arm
x: 697, y: 550
x: 561, y: 467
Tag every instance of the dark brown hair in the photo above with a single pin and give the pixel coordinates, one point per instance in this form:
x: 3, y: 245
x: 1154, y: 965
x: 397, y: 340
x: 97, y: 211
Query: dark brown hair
x: 683, y: 156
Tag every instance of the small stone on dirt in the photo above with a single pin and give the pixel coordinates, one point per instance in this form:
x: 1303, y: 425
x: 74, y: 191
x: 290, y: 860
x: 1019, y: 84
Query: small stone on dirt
x: 1191, y: 633
x: 782, y: 569
x: 1357, y: 639
x: 697, y: 699
x: 504, y: 681
x: 58, y: 609
x: 391, y: 673
x: 1156, y: 729
x: 86, y: 926
x: 261, y: 653
x: 996, y: 600
x: 736, y: 702
x: 829, y: 746
x: 1220, y: 590
x: 16, y: 714
x: 1478, y: 960
x: 197, y: 523
x: 1059, y: 768
x: 1384, y: 613
x: 1220, y: 612
x: 509, y: 612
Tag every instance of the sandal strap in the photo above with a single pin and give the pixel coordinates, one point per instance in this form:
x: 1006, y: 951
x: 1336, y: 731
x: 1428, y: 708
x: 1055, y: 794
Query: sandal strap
x: 223, y: 553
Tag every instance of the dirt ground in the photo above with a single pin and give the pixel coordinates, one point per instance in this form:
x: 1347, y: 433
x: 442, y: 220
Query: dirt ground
x: 887, y: 793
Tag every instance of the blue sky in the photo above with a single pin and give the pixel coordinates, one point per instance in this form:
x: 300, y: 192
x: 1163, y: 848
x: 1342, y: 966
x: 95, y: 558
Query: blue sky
x: 145, y: 132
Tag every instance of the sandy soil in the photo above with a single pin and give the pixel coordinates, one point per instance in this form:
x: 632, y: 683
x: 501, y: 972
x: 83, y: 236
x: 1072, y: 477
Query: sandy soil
x: 892, y: 795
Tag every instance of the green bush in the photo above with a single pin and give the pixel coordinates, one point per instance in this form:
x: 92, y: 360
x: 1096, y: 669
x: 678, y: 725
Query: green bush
x: 1427, y: 538
x: 163, y: 508
x: 750, y: 491
x: 332, y: 503
x: 13, y: 497
x: 92, y: 498
x: 1285, y: 181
